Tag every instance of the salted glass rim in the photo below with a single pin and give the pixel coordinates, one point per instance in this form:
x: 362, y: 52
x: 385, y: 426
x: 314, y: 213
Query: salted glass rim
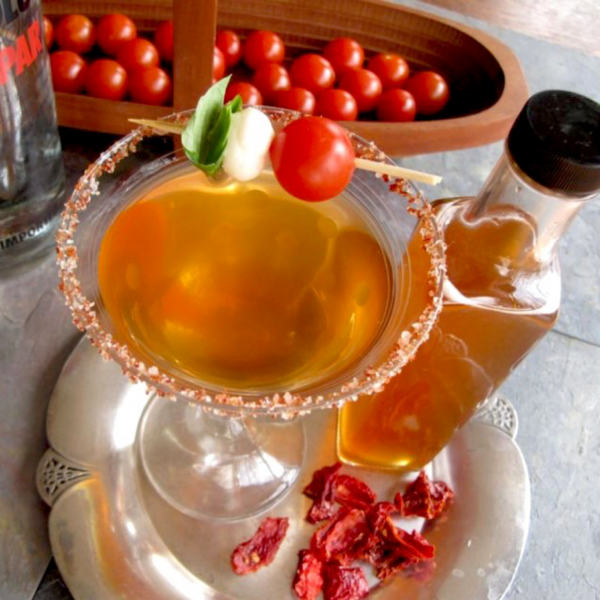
x: 283, y: 403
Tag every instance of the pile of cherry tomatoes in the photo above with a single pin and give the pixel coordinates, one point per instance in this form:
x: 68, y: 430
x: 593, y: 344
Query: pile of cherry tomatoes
x: 123, y: 63
x: 338, y: 84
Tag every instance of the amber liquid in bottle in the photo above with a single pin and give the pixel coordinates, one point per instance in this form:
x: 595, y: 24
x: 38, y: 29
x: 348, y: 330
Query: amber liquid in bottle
x: 499, y: 300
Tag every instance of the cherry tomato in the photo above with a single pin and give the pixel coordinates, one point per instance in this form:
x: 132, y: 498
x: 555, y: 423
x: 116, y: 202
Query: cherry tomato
x: 48, y: 33
x: 338, y: 105
x: 344, y: 54
x: 364, y: 86
x: 218, y: 64
x: 313, y: 73
x: 263, y: 46
x: 114, y: 31
x: 163, y: 40
x: 76, y: 33
x: 138, y: 53
x: 391, y: 69
x: 312, y: 158
x: 228, y: 42
x: 68, y: 71
x: 296, y: 99
x: 250, y: 95
x: 150, y: 85
x: 106, y: 79
x: 396, y: 105
x: 430, y: 91
x: 270, y: 78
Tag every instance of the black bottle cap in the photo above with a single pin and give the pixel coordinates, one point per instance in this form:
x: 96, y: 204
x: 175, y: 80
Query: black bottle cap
x: 556, y: 141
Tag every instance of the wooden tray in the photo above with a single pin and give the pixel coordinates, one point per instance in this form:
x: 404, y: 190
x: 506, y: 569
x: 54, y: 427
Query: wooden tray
x: 486, y: 80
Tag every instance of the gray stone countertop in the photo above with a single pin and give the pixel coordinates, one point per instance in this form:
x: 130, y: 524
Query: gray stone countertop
x: 556, y: 389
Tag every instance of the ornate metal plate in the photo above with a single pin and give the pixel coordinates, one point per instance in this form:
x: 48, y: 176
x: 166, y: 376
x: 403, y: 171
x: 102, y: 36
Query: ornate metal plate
x: 113, y: 537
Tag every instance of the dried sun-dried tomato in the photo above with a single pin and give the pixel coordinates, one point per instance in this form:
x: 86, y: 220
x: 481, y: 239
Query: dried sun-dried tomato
x: 352, y: 492
x: 343, y: 583
x: 308, y: 581
x: 260, y: 550
x: 321, y: 489
x: 343, y: 539
x: 424, y: 498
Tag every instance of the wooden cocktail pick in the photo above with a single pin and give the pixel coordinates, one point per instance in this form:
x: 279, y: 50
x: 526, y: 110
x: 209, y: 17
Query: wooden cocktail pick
x: 360, y: 163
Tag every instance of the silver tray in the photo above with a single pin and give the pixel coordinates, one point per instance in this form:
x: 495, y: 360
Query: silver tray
x: 113, y: 537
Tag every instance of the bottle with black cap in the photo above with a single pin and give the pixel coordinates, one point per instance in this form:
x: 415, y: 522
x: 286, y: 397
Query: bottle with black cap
x: 502, y: 291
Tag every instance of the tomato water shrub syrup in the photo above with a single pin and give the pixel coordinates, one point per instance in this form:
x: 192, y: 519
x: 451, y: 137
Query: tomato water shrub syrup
x: 31, y: 167
x: 242, y: 285
x: 502, y: 292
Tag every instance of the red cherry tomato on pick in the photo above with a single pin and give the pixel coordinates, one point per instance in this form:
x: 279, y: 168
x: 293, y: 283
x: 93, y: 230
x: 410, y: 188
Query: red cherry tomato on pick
x: 263, y: 46
x: 344, y: 54
x: 364, y: 86
x: 391, y: 69
x: 163, y: 40
x: 312, y: 158
x: 430, y: 91
x: 313, y: 73
x: 76, y: 33
x: 249, y: 94
x: 114, y: 31
x: 229, y: 44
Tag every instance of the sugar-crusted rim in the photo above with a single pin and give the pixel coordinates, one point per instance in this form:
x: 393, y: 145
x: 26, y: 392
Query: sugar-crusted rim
x: 285, y: 404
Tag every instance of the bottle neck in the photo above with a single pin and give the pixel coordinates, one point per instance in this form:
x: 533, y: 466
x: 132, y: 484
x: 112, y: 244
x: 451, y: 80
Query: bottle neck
x: 509, y: 190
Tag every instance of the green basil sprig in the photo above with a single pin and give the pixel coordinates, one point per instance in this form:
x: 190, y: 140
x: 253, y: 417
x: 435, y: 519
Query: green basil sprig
x: 205, y: 137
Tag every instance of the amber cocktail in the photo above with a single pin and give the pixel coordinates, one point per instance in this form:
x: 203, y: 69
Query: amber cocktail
x: 241, y: 299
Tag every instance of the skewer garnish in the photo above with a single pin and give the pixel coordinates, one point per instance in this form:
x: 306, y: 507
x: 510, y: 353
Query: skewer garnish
x: 359, y: 163
x: 238, y: 140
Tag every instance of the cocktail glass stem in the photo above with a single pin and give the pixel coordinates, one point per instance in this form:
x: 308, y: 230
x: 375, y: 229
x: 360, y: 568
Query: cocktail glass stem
x: 214, y: 467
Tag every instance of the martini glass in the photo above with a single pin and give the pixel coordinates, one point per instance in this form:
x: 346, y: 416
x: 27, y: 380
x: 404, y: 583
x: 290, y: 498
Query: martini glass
x: 231, y: 452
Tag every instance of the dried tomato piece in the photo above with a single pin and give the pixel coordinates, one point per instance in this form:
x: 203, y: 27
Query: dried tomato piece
x: 424, y: 498
x: 321, y: 490
x: 321, y: 479
x: 342, y: 583
x: 352, y: 492
x: 260, y: 550
x: 308, y: 581
x: 321, y: 511
x: 343, y: 539
x: 412, y: 546
x: 378, y: 514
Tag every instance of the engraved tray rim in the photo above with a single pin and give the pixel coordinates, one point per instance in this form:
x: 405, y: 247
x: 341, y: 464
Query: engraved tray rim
x: 87, y: 476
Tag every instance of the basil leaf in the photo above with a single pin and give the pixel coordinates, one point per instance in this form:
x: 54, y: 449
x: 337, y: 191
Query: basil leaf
x: 236, y: 104
x: 216, y: 141
x: 208, y: 110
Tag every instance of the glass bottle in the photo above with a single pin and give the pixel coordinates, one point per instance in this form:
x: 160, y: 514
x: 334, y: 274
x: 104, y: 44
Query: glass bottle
x: 502, y: 291
x: 31, y: 167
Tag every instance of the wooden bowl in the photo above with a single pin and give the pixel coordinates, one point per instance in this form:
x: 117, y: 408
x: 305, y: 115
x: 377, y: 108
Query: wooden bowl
x: 488, y: 88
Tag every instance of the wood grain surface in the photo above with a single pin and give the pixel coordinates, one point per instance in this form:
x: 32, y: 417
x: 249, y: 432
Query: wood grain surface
x: 572, y: 23
x: 487, y: 86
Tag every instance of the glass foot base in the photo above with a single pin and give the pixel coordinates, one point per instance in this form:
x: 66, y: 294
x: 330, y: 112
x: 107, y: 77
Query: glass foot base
x: 218, y: 467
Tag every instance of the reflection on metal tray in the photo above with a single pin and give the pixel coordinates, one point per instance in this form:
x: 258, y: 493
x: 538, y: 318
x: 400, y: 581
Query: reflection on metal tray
x: 113, y: 537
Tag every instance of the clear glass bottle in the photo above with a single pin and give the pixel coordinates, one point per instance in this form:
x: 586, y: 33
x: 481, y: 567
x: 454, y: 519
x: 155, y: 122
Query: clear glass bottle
x: 31, y: 167
x: 502, y: 291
